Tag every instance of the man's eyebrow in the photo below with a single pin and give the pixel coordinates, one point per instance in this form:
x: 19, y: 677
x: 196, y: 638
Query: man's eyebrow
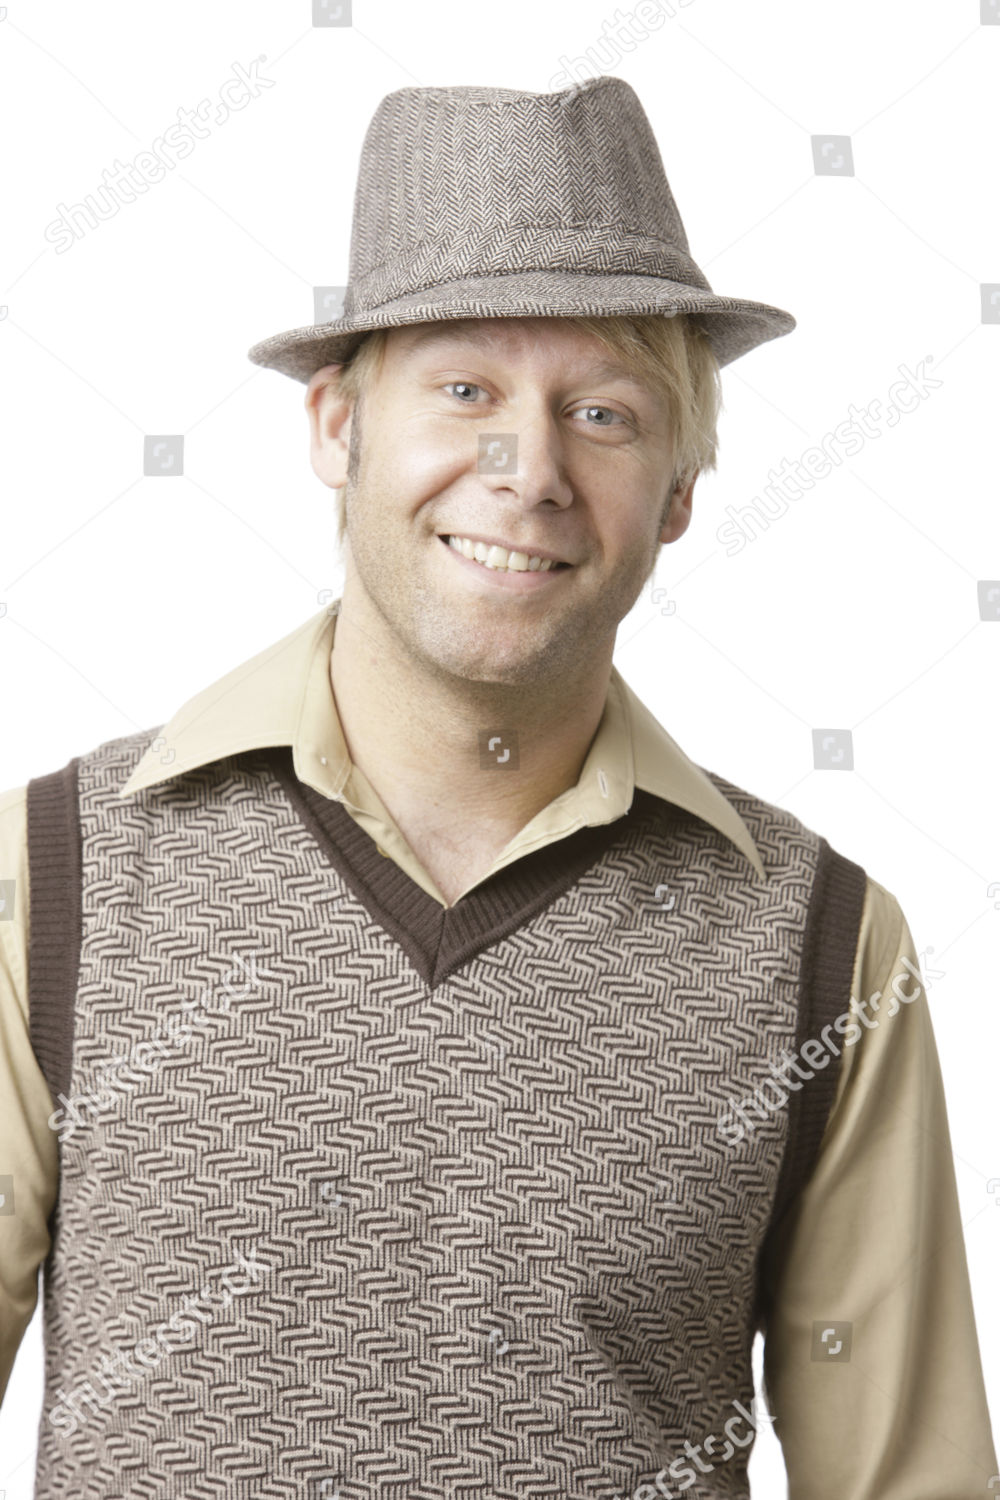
x: 600, y: 370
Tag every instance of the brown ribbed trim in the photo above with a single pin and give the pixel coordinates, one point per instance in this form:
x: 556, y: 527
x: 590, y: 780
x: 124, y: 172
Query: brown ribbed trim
x: 438, y: 940
x: 55, y: 927
x: 830, y: 943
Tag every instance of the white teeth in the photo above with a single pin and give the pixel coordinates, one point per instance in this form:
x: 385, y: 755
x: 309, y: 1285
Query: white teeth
x: 498, y: 557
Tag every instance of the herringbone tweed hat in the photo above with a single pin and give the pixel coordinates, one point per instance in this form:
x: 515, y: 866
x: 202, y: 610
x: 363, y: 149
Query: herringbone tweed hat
x: 478, y: 202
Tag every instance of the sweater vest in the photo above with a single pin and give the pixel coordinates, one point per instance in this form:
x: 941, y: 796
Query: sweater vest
x: 363, y: 1196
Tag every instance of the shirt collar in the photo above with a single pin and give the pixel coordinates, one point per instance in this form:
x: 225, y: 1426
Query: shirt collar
x: 284, y: 696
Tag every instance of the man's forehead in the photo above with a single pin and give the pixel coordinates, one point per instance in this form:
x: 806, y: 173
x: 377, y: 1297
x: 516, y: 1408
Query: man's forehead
x: 493, y: 335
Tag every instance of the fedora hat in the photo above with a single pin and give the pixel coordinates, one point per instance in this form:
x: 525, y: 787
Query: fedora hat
x: 479, y: 202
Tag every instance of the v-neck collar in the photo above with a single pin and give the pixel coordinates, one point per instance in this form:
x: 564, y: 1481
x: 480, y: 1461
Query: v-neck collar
x: 437, y: 939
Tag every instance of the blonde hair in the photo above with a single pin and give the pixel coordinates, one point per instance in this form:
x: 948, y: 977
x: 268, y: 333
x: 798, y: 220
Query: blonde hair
x: 673, y: 355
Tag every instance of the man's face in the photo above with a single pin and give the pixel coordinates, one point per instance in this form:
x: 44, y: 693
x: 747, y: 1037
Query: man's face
x: 590, y: 486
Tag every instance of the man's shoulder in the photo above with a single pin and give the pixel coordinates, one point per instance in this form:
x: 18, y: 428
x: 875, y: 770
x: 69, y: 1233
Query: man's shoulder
x: 117, y: 756
x: 769, y: 822
x: 13, y: 802
x: 882, y: 917
x: 13, y: 831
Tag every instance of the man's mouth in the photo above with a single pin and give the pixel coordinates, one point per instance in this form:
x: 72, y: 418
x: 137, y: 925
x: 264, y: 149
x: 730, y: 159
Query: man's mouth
x: 498, y: 559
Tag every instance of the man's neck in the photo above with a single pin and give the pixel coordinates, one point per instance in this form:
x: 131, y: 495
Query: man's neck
x: 421, y: 740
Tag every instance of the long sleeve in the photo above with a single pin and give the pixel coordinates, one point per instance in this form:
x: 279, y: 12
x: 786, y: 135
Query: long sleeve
x: 892, y: 1404
x: 29, y: 1161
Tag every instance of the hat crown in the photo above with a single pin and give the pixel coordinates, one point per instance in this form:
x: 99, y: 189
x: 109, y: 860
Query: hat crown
x: 464, y: 176
x: 481, y: 202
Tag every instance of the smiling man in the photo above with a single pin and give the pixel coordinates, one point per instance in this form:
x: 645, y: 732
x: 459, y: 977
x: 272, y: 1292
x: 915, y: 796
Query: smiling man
x: 430, y: 636
x: 530, y: 1067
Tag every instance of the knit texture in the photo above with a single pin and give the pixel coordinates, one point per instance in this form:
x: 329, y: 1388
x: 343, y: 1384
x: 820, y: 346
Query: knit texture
x: 373, y: 1197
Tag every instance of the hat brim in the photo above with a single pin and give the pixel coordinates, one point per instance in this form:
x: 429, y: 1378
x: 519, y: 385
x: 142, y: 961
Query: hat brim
x: 734, y: 325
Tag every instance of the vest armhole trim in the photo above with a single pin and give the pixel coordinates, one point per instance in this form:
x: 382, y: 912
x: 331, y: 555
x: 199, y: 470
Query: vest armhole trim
x: 55, y: 923
x: 829, y: 952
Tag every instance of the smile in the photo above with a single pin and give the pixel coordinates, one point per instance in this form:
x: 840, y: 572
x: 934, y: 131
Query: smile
x: 500, y: 555
x: 512, y: 579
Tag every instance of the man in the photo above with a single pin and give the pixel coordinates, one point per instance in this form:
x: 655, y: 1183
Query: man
x: 518, y: 1068
x: 432, y: 638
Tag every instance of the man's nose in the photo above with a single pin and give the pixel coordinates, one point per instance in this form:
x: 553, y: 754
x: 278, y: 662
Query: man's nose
x: 528, y: 457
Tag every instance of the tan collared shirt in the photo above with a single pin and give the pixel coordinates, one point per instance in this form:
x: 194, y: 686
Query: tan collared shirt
x: 875, y: 1239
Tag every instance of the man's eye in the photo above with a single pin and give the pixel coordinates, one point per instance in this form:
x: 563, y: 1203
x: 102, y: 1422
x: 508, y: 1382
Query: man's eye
x: 467, y: 385
x: 610, y: 411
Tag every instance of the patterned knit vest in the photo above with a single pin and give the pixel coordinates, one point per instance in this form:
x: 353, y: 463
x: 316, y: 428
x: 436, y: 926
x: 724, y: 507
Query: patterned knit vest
x: 361, y: 1196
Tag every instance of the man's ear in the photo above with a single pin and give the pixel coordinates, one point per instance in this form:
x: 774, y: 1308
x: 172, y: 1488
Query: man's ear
x: 679, y: 517
x: 329, y: 426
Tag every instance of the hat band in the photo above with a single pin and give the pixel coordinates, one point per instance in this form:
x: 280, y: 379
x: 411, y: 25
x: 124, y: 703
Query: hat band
x: 508, y: 250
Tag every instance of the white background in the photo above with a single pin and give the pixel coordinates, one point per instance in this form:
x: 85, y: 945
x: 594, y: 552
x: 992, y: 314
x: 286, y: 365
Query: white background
x: 856, y: 609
